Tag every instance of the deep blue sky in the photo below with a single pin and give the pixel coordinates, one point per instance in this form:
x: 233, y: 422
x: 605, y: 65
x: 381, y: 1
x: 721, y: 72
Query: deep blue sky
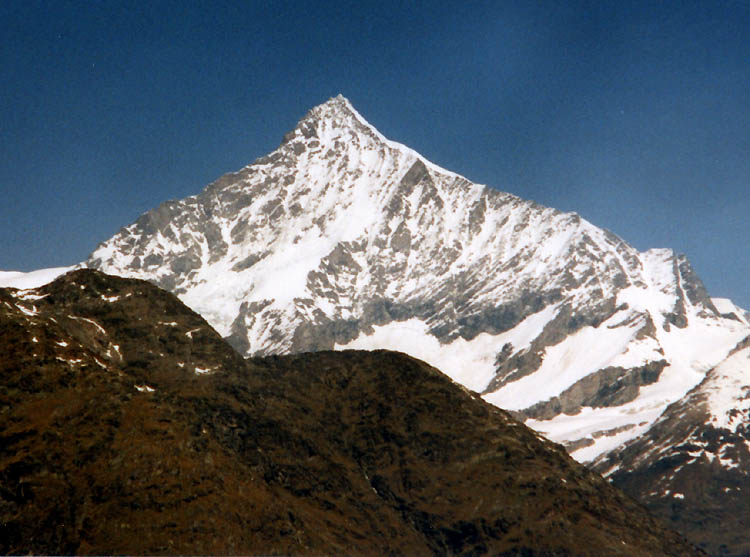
x: 634, y: 114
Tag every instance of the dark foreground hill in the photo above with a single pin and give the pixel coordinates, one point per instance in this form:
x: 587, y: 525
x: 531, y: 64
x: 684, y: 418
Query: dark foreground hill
x: 127, y: 425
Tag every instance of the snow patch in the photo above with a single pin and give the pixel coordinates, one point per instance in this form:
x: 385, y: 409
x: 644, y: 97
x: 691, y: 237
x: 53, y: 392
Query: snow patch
x: 116, y: 349
x: 30, y: 295
x: 30, y: 312
x: 725, y: 306
x: 71, y: 361
x: 90, y: 321
x: 144, y: 388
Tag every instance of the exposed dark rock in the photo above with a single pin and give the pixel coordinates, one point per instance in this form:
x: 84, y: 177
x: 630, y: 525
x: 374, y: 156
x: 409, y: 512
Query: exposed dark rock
x: 414, y: 176
x: 578, y: 444
x: 401, y: 239
x: 153, y: 259
x: 217, y: 247
x: 611, y: 386
x: 248, y: 262
x: 693, y: 285
x: 185, y: 263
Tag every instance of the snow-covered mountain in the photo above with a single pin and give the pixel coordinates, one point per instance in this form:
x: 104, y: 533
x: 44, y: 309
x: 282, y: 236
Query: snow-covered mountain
x: 727, y: 308
x: 341, y: 238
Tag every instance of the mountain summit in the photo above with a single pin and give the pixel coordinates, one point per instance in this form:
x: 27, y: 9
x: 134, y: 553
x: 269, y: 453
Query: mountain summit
x: 341, y: 238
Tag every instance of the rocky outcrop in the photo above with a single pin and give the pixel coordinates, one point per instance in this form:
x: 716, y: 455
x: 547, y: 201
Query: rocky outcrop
x: 566, y: 321
x: 611, y: 386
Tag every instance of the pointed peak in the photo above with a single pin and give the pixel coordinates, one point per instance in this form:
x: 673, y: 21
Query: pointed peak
x: 333, y: 106
x: 337, y: 113
x: 339, y: 110
x: 339, y: 102
x: 337, y: 118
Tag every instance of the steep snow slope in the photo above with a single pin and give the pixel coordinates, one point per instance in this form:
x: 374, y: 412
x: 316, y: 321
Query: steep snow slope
x: 342, y: 238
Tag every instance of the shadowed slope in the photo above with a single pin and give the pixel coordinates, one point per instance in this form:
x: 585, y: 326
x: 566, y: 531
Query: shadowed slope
x: 129, y: 426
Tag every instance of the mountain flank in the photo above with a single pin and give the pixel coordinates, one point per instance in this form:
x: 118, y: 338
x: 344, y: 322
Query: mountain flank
x: 342, y: 239
x: 129, y: 425
x: 691, y: 468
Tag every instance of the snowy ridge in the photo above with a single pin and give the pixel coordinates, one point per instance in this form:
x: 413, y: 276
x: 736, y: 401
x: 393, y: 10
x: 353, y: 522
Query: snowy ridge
x: 728, y: 392
x: 342, y: 238
x: 31, y: 279
x: 730, y: 310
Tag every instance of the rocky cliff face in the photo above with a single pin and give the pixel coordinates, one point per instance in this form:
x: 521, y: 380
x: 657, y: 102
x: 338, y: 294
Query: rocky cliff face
x: 129, y: 426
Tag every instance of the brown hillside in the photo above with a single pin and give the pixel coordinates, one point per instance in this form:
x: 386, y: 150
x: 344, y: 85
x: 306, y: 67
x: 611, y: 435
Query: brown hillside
x: 127, y: 425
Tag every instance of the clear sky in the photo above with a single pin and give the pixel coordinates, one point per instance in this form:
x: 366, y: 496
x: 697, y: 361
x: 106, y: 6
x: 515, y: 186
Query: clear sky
x: 634, y: 114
